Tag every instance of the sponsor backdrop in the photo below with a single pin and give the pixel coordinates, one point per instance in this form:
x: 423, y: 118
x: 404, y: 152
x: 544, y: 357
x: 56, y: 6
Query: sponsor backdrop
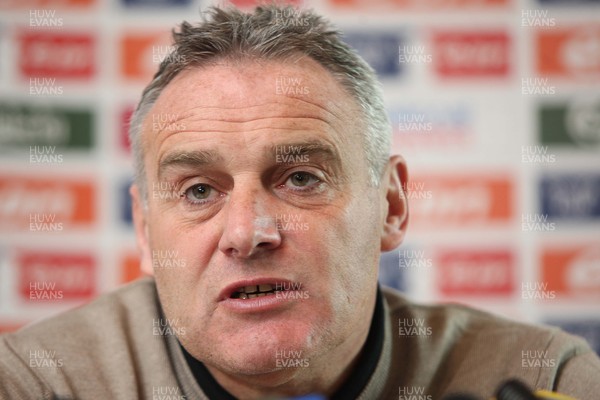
x: 495, y: 105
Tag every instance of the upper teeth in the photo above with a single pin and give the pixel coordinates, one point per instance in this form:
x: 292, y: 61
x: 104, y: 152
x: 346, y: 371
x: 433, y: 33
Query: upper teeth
x: 256, y: 289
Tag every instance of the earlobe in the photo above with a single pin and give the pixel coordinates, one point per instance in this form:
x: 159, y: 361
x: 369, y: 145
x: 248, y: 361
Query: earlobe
x: 396, y: 217
x: 141, y: 229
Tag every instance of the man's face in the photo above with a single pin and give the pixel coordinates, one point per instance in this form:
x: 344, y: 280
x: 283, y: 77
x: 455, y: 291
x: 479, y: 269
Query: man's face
x: 256, y: 176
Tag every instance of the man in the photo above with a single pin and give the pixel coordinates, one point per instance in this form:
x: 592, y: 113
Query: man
x: 263, y: 198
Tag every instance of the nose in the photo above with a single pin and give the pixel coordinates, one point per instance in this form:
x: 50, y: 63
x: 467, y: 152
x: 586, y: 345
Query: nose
x: 249, y: 227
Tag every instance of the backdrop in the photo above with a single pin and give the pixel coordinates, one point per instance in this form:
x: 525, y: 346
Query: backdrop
x: 495, y: 104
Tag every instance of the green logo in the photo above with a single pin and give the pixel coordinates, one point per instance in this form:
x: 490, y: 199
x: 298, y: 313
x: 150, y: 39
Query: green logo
x: 23, y: 126
x: 570, y: 124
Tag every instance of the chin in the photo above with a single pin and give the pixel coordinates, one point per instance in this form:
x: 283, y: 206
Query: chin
x: 248, y: 364
x: 263, y: 350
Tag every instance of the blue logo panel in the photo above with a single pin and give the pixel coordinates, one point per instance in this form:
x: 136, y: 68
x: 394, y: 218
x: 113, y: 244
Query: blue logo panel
x: 389, y: 272
x: 125, y: 204
x: 380, y: 50
x: 570, y: 196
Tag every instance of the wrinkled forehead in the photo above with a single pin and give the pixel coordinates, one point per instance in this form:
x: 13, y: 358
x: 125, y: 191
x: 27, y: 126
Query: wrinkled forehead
x: 254, y: 89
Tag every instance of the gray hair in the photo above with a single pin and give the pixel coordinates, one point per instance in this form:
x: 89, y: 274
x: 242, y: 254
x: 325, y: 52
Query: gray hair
x: 273, y: 33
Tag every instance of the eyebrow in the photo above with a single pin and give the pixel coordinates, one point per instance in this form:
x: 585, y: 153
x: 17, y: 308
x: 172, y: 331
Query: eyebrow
x: 312, y: 148
x: 200, y: 158
x: 189, y: 159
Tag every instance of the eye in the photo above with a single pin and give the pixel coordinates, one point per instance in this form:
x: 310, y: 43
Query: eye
x: 199, y: 193
x: 302, y: 179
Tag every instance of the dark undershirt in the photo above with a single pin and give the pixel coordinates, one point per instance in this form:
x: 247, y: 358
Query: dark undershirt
x: 352, y: 387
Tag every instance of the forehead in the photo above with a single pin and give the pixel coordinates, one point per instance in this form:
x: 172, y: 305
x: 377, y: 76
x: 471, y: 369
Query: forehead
x: 226, y: 92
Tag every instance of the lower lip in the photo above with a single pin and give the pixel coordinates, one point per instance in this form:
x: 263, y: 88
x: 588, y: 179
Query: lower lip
x: 259, y: 304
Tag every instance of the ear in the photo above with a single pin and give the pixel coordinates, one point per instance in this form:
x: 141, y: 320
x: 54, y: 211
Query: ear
x: 141, y: 229
x: 396, y: 213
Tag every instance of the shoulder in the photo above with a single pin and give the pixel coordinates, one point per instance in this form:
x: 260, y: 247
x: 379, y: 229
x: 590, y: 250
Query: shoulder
x: 474, y: 351
x: 92, y: 349
x: 120, y: 308
x: 454, y: 322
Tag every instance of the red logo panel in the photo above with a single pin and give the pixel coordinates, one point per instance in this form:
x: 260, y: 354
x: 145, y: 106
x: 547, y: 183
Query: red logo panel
x: 53, y: 4
x: 476, y: 272
x: 142, y: 53
x: 45, y: 204
x: 572, y: 270
x: 130, y: 268
x: 457, y: 200
x: 125, y: 120
x: 569, y: 52
x: 56, y: 276
x: 420, y: 4
x: 57, y: 54
x: 471, y: 54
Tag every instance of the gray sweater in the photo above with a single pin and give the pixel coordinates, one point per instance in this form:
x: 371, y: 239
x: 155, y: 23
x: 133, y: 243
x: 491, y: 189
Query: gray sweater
x: 112, y: 349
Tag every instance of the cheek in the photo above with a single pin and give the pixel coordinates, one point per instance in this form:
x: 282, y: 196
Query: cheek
x: 179, y: 255
x: 167, y: 248
x: 187, y: 241
x: 346, y: 247
x: 359, y: 241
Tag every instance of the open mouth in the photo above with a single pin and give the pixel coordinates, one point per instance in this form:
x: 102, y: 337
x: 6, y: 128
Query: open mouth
x: 252, y: 291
